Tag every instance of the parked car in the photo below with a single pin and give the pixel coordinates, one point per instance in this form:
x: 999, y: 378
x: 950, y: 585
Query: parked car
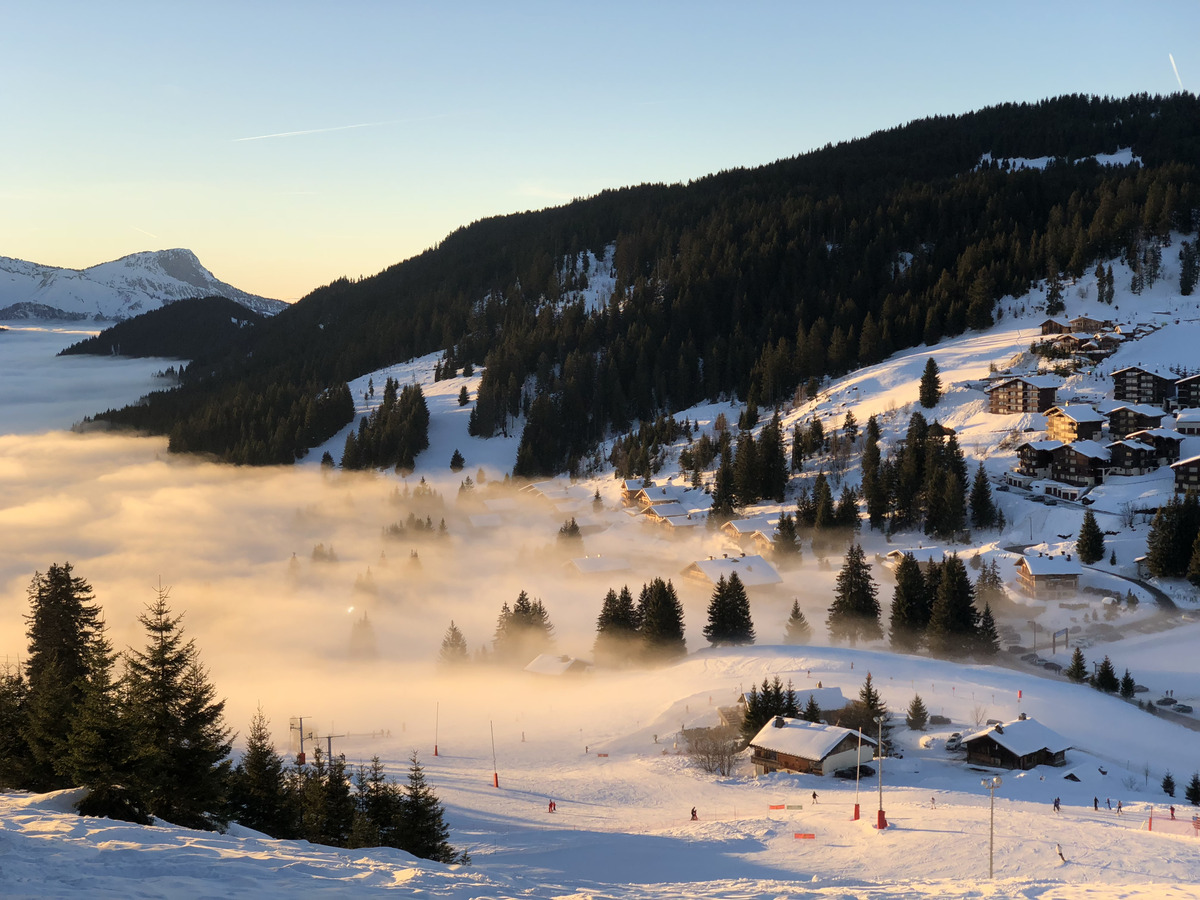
x: 1029, y: 657
x: 1182, y: 708
x: 1165, y: 701
x: 1038, y: 498
x: 863, y: 771
x: 954, y: 742
x: 1053, y: 667
x: 1051, y: 501
x: 1002, y: 486
x: 1140, y: 689
x: 939, y: 720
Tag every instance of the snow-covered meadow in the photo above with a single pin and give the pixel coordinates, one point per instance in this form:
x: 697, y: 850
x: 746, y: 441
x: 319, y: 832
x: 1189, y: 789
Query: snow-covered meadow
x: 276, y: 632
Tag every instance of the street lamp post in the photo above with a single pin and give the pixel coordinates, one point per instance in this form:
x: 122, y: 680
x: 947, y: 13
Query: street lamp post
x: 881, y: 823
x: 991, y: 784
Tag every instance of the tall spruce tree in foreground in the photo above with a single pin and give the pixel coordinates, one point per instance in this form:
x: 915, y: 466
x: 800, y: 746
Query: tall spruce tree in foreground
x: 1128, y: 686
x: 1077, y: 670
x: 661, y: 617
x: 930, y: 391
x: 910, y: 606
x: 812, y: 710
x: 1105, y: 678
x: 983, y: 509
x: 953, y: 621
x: 66, y: 648
x: 854, y: 613
x: 797, y: 631
x: 918, y: 715
x: 259, y: 797
x: 423, y: 830
x: 179, y: 764
x: 1090, y: 544
x: 729, y: 614
x: 987, y: 638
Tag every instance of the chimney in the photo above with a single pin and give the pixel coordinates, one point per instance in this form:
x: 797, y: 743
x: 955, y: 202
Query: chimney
x: 779, y: 723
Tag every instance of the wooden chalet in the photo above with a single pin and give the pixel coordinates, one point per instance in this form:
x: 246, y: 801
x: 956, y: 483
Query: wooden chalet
x: 1075, y: 343
x: 1021, y: 744
x: 1131, y: 457
x: 926, y: 557
x: 742, y: 531
x: 1055, y: 326
x: 793, y: 745
x: 1073, y: 422
x: 1022, y: 394
x: 1187, y: 475
x: 630, y: 488
x: 1034, y: 458
x: 1081, y: 463
x: 1088, y: 324
x: 1138, y: 384
x: 1187, y: 392
x: 1131, y: 417
x: 754, y: 571
x: 1044, y: 577
x: 1165, y: 442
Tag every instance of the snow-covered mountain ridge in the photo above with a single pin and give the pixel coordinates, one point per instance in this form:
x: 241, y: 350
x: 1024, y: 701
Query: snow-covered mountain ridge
x: 114, y: 290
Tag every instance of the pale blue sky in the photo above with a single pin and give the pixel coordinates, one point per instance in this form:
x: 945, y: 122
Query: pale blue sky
x: 124, y: 121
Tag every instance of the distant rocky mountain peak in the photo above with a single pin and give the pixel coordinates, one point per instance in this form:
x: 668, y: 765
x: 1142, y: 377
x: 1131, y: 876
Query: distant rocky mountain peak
x: 114, y: 290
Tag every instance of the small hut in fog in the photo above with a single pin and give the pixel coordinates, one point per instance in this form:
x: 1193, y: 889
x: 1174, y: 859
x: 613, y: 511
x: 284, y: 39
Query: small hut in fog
x: 754, y: 571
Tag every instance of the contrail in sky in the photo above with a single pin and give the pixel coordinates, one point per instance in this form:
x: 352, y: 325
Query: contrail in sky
x: 1176, y: 68
x: 284, y: 134
x: 145, y: 232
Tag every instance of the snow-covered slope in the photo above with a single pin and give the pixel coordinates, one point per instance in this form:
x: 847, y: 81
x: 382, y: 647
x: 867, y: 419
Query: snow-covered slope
x: 114, y: 290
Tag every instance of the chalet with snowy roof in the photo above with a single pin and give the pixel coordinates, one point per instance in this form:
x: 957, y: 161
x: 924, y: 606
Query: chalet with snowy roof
x: 1187, y: 421
x: 1131, y: 457
x: 1074, y: 342
x: 1021, y: 744
x: 926, y: 557
x: 1166, y: 443
x: 754, y: 571
x: 1088, y: 324
x: 597, y: 565
x: 1187, y: 475
x: 1187, y: 392
x: 742, y: 531
x: 1055, y: 326
x: 1046, y: 577
x: 1022, y: 394
x: 793, y: 745
x: 1081, y: 463
x: 1073, y: 422
x: 630, y: 488
x: 1139, y: 384
x: 553, y: 666
x: 680, y: 525
x: 1034, y: 458
x: 660, y: 511
x: 1128, y: 418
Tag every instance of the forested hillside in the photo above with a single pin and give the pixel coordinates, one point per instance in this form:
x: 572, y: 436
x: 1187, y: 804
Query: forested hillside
x: 747, y: 282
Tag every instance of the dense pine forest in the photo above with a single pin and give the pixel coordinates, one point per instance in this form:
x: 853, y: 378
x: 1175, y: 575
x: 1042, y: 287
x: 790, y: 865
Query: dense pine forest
x: 745, y: 283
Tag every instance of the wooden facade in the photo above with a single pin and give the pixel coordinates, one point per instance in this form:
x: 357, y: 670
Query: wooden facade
x: 1130, y: 457
x: 1187, y: 475
x: 1073, y: 423
x: 1135, y: 384
x: 1082, y: 463
x: 1034, y: 458
x: 1022, y: 395
x: 1187, y: 392
x: 1124, y: 420
x: 1048, y: 577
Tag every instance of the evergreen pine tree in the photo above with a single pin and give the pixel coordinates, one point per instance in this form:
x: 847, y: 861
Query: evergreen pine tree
x: 1077, y: 670
x: 723, y: 489
x: 910, y: 606
x: 1105, y: 678
x: 464, y: 396
x: 983, y: 510
x: 66, y: 647
x: 811, y: 711
x: 1168, y: 784
x: 787, y: 542
x: 1090, y: 544
x: 854, y: 613
x: 180, y: 759
x: 423, y: 831
x: 987, y: 639
x: 797, y: 631
x: 522, y: 632
x: 14, y: 752
x: 953, y: 620
x: 772, y: 460
x: 1193, y: 569
x: 1128, y: 686
x: 616, y: 628
x: 918, y: 716
x: 930, y: 391
x: 456, y: 461
x: 1192, y: 792
x: 258, y: 792
x: 661, y: 620
x: 454, y: 647
x: 729, y: 614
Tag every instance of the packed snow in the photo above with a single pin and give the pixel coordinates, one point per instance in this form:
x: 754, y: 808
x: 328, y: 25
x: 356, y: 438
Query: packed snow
x: 606, y: 747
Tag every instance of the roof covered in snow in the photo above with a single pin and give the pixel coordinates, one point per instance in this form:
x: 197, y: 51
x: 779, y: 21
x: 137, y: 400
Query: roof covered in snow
x: 806, y: 740
x: 1022, y: 737
x: 764, y: 522
x: 1142, y: 409
x: 1090, y: 449
x: 1037, y: 381
x: 1052, y: 565
x: 754, y: 571
x: 1076, y: 412
x: 592, y: 565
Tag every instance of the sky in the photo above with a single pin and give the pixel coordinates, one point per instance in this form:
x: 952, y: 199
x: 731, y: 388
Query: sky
x: 289, y: 144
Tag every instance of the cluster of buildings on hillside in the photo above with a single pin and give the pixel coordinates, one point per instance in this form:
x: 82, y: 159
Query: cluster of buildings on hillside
x: 1152, y: 415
